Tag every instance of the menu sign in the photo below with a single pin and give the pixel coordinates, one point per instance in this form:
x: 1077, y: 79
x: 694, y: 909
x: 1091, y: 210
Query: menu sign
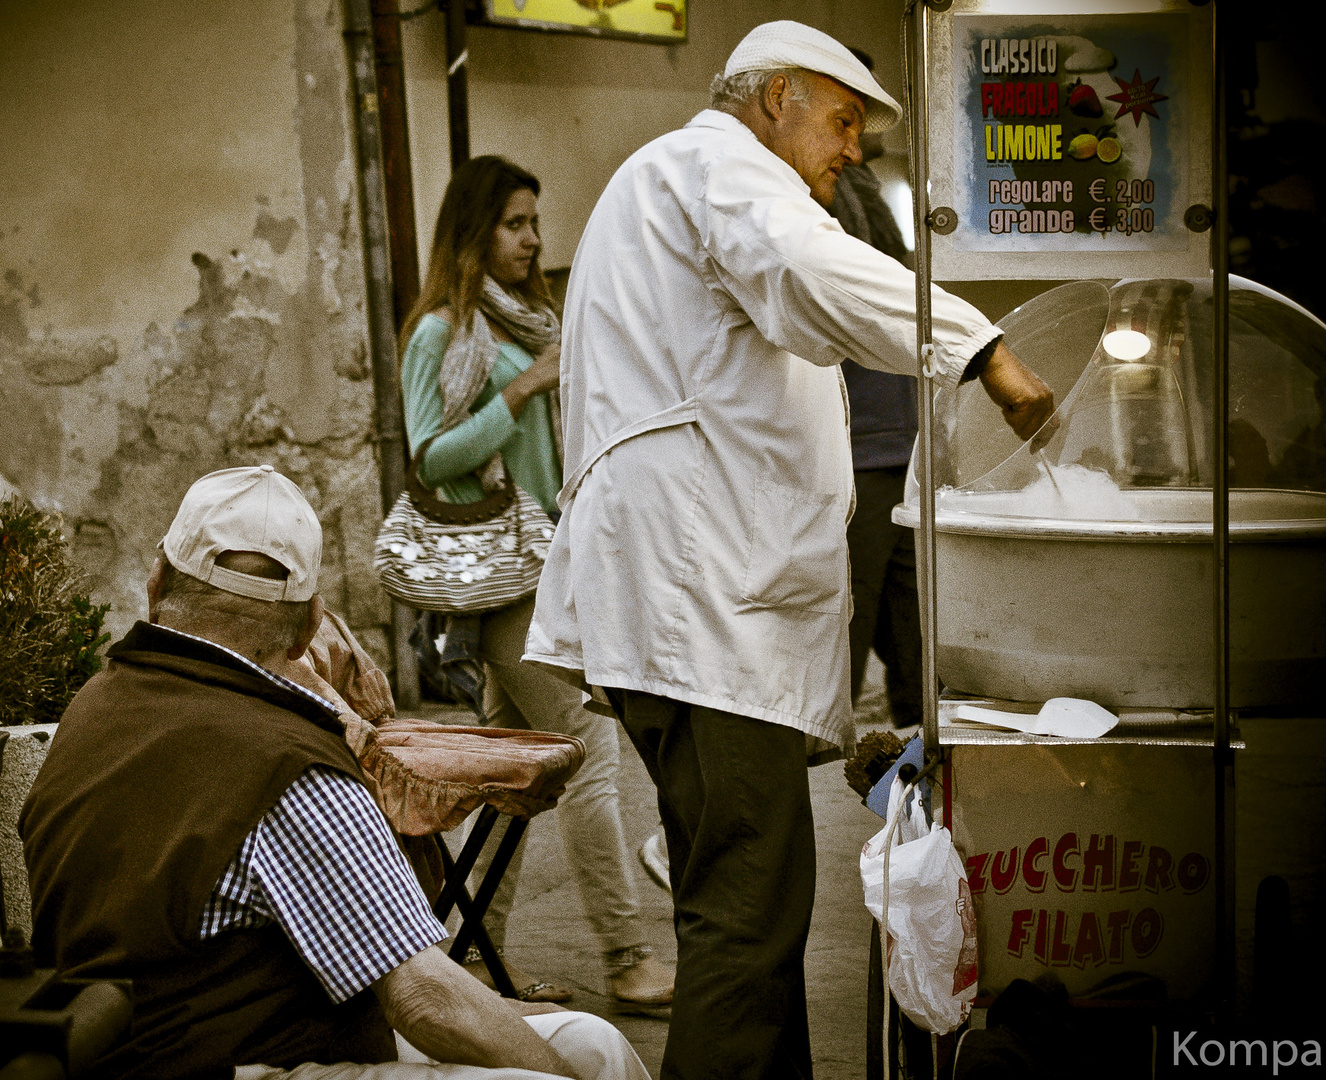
x: 1070, y: 132
x: 643, y: 20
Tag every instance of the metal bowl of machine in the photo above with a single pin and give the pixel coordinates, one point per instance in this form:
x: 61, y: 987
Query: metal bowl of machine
x: 1085, y: 569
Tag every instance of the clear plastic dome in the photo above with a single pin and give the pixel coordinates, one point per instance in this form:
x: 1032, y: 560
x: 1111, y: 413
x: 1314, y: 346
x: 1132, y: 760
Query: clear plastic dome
x: 1086, y: 569
x: 1132, y: 369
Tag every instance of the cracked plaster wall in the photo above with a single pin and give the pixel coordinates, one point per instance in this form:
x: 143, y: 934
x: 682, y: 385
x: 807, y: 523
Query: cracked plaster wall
x: 181, y: 278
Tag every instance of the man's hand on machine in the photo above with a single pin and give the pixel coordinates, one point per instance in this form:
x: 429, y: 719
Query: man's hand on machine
x: 1026, y: 402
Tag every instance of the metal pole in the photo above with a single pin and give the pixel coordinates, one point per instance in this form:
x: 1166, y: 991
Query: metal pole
x: 458, y: 63
x: 380, y: 310
x: 1223, y: 755
x: 397, y: 175
x: 925, y: 548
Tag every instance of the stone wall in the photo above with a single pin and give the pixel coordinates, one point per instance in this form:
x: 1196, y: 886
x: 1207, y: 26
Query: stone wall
x: 22, y: 751
x: 181, y: 277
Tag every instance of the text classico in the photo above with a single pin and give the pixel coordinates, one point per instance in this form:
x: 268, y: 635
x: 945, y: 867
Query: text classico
x: 1020, y: 140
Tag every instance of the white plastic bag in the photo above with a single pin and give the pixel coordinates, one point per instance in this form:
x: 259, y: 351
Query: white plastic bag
x: 931, y: 952
x: 913, y: 825
x: 910, y: 826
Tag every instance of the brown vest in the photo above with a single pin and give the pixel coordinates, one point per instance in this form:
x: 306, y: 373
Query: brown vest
x: 160, y: 767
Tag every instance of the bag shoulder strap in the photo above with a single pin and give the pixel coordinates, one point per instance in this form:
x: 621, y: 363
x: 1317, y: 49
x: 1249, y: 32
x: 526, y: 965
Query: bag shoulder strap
x: 444, y: 513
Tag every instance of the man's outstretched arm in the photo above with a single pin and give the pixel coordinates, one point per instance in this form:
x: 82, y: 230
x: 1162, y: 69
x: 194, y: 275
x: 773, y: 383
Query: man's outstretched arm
x: 443, y: 1010
x: 1024, y: 399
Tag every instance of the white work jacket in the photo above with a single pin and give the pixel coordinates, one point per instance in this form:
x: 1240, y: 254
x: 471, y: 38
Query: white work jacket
x: 702, y: 551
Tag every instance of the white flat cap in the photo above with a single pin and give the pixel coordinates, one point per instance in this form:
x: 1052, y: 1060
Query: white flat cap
x: 788, y: 44
x: 253, y: 508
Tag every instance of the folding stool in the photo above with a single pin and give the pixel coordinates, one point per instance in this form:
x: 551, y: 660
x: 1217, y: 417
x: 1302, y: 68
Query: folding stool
x: 472, y: 909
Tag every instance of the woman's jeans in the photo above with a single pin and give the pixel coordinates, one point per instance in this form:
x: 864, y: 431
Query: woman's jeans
x: 588, y: 816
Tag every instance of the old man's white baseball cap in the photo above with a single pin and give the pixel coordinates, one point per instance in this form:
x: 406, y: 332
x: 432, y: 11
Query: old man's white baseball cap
x: 788, y: 44
x: 253, y: 508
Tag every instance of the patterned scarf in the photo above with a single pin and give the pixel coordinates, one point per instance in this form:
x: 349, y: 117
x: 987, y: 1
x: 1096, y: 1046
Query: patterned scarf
x: 473, y: 350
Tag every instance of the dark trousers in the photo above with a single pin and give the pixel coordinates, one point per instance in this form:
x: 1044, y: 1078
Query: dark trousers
x: 734, y: 797
x: 885, y: 611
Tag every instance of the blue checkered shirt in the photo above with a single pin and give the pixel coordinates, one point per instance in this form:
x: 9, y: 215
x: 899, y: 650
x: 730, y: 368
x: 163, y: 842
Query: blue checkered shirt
x: 324, y: 865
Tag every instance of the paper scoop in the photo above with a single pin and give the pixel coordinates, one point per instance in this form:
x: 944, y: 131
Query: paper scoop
x: 1069, y: 718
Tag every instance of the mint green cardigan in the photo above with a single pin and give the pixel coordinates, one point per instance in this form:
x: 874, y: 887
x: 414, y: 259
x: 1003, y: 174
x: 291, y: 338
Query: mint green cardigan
x: 527, y: 445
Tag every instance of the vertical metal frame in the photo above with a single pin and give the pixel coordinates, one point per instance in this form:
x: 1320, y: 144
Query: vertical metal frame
x: 918, y: 108
x: 1223, y: 756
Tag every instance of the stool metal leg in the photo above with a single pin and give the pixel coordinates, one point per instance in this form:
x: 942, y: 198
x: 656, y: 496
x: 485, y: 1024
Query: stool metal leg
x: 483, y: 896
x: 458, y: 870
x: 472, y: 909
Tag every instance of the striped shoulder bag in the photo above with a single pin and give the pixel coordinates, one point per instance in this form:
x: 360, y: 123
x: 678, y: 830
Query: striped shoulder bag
x: 461, y: 558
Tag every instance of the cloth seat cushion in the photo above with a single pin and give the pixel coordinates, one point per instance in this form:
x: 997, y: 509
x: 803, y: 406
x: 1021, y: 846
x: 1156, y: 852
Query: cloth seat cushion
x: 428, y: 777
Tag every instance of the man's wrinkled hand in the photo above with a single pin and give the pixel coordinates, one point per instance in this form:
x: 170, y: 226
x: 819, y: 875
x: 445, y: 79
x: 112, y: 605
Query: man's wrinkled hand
x: 1024, y: 399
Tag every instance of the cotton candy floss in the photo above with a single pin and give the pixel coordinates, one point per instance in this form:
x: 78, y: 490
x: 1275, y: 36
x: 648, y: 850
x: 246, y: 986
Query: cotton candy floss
x: 1082, y: 495
x: 1074, y: 493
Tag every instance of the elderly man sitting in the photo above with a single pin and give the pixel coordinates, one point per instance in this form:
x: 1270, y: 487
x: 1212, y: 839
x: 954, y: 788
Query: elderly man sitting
x: 201, y: 828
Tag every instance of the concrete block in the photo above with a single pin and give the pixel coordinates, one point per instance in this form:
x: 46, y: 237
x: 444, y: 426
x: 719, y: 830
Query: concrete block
x: 23, y: 754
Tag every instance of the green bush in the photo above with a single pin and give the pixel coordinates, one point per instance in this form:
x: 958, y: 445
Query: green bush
x: 50, y: 630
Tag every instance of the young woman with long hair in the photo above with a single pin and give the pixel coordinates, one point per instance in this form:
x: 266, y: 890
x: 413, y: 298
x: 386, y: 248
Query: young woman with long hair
x: 480, y: 353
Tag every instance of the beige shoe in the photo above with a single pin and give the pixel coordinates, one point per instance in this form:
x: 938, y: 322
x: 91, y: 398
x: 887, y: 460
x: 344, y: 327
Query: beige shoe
x: 636, y: 980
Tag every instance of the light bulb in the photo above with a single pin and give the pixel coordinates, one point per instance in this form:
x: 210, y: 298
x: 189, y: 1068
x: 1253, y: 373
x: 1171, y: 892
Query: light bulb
x: 1126, y: 344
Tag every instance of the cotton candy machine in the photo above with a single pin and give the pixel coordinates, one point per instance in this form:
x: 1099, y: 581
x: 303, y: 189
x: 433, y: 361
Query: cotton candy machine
x: 1116, y: 558
x: 1084, y: 568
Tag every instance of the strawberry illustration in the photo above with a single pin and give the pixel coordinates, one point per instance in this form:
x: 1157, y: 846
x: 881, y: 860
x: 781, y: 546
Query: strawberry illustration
x: 1082, y: 100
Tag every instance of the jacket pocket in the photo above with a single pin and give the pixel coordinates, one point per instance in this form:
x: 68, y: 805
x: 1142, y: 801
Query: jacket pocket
x: 798, y: 549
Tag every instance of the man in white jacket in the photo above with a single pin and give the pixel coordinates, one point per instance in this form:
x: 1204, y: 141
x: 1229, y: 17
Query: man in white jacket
x: 699, y: 572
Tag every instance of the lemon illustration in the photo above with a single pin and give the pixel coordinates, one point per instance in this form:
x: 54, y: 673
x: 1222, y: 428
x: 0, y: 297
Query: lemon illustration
x: 1108, y: 150
x: 1083, y: 147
